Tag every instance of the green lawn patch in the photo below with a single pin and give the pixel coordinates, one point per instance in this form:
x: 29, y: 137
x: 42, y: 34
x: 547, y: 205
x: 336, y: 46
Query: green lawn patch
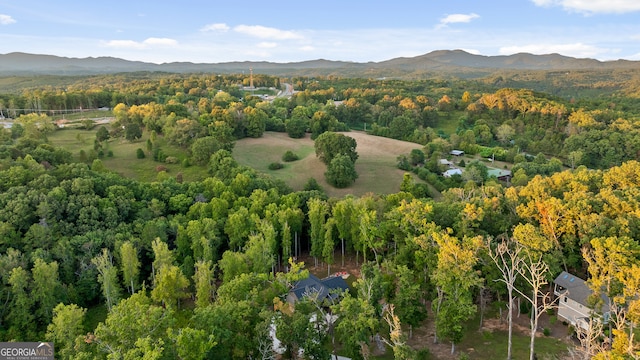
x: 124, y: 160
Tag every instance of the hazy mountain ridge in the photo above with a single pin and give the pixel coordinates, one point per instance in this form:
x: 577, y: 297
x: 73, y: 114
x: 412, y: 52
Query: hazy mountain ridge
x: 441, y: 61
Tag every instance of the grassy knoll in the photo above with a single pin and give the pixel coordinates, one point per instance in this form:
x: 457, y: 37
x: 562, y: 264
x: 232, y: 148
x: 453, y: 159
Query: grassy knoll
x: 376, y: 165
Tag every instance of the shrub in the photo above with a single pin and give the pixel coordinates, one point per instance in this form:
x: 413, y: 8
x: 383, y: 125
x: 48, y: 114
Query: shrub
x: 423, y: 354
x: 158, y: 155
x: 546, y: 331
x: 171, y: 160
x: 140, y: 153
x: 161, y: 168
x: 109, y: 153
x: 312, y: 184
x: 290, y: 156
x: 275, y: 166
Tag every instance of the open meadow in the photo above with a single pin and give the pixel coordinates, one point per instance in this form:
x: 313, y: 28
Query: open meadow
x: 124, y: 160
x: 376, y: 164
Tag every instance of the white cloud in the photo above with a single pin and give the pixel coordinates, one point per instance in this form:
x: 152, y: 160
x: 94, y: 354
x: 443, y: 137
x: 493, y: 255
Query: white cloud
x: 264, y: 32
x: 220, y: 27
x: 146, y: 44
x: 160, y: 42
x: 6, y: 19
x: 593, y: 6
x: 267, y: 45
x: 578, y: 50
x: 458, y: 18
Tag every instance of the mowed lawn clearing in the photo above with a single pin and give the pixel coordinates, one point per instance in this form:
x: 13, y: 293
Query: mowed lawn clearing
x: 124, y: 160
x: 376, y: 164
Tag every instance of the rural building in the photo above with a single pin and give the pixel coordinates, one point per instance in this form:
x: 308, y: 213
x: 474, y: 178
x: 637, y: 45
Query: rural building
x: 573, y: 294
x: 500, y: 174
x: 449, y: 173
x: 446, y: 162
x: 456, y: 152
x: 325, y: 288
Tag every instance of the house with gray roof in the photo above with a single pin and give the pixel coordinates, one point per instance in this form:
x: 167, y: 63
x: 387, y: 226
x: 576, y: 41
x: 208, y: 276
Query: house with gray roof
x: 325, y: 289
x: 573, y: 306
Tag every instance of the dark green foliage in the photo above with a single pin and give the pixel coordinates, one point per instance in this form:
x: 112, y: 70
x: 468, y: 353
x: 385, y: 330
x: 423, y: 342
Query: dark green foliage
x: 202, y: 149
x: 132, y: 132
x: 341, y: 172
x: 102, y: 134
x: 158, y: 155
x: 312, y: 184
x: 417, y: 157
x: 275, y: 166
x: 296, y: 127
x: 330, y: 144
x: 403, y: 163
x: 290, y: 156
x: 140, y: 153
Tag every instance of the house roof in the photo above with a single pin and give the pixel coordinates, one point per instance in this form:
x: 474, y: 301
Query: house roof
x: 576, y: 288
x: 323, y: 288
x: 498, y: 172
x: 451, y: 172
x: 456, y: 152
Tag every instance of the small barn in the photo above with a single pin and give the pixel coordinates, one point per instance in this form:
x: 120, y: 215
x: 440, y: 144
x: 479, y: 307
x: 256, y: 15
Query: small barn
x: 456, y: 152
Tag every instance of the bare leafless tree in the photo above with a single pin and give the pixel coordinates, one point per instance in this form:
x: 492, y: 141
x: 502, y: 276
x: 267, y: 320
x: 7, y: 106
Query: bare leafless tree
x: 533, y: 269
x: 508, y: 259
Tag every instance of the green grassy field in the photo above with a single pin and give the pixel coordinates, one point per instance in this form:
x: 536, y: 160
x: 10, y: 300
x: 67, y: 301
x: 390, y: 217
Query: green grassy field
x: 376, y: 165
x: 124, y: 160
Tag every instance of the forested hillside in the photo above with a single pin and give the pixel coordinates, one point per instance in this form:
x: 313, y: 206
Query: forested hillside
x: 112, y: 267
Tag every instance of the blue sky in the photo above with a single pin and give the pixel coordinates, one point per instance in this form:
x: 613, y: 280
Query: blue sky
x: 290, y: 31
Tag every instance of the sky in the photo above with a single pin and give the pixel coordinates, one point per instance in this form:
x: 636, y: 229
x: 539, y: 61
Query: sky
x: 284, y: 31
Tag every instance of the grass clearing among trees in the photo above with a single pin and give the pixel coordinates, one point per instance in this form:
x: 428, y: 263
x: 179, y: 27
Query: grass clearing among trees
x: 376, y: 164
x: 124, y: 160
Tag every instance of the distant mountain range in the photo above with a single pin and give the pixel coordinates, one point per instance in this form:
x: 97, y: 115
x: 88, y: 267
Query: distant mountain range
x: 456, y: 63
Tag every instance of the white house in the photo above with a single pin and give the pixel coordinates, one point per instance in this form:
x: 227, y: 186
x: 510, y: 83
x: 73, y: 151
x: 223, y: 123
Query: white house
x: 573, y: 294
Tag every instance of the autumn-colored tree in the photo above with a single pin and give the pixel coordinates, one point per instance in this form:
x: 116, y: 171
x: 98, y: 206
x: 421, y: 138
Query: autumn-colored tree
x: 455, y: 279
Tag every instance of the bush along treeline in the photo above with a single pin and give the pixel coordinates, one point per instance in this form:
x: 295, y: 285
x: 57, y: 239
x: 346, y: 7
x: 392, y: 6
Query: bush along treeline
x: 110, y: 267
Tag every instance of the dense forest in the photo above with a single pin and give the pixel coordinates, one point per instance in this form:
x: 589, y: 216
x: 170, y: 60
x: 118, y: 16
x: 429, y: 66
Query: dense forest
x: 111, y: 267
